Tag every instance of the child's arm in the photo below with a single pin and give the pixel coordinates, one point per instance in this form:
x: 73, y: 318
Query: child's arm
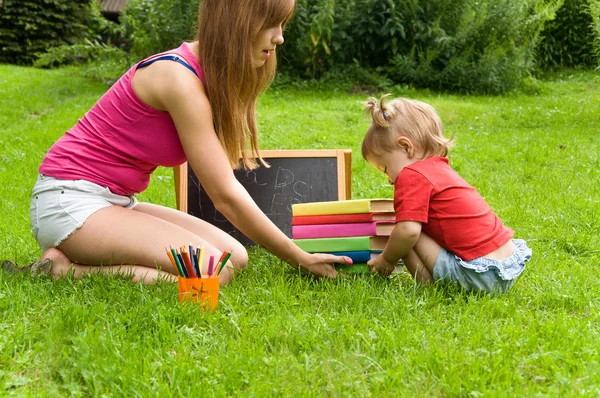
x: 403, y: 238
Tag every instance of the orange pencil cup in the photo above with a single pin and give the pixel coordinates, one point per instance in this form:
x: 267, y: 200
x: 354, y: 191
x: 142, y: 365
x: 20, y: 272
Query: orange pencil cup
x: 203, y: 290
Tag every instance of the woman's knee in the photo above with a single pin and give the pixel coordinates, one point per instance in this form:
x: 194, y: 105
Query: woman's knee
x: 239, y: 257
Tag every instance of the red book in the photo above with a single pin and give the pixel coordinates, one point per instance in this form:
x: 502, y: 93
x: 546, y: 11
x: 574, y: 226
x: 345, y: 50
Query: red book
x: 343, y: 218
x: 383, y: 228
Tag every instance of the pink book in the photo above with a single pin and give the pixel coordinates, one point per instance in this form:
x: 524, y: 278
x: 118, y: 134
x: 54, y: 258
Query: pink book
x: 382, y: 228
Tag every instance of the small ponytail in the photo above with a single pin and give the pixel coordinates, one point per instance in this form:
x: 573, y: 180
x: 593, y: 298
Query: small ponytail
x: 380, y: 112
x: 402, y: 117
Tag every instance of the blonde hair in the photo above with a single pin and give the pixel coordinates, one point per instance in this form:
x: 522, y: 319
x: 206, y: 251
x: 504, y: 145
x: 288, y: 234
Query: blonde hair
x: 403, y: 117
x: 226, y: 31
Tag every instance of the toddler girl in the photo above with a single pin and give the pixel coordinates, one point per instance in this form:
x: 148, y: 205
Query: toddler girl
x: 445, y: 231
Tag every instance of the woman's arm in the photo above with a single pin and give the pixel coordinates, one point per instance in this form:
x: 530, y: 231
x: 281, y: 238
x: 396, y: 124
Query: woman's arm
x: 179, y: 92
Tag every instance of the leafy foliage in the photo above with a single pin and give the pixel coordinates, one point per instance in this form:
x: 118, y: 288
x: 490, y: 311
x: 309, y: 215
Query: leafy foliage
x: 594, y: 9
x: 78, y: 53
x: 106, y: 62
x: 156, y: 25
x: 148, y: 27
x: 568, y: 40
x: 462, y: 45
x: 469, y: 46
x: 32, y: 27
x: 103, y: 42
x: 104, y: 48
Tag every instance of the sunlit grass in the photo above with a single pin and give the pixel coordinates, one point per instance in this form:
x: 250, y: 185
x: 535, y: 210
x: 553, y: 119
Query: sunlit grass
x: 534, y: 158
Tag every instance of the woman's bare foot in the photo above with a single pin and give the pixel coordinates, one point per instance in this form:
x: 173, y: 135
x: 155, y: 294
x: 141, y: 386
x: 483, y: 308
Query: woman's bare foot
x: 52, y: 262
x: 42, y: 267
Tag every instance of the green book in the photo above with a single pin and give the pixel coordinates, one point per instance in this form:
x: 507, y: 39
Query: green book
x: 353, y: 243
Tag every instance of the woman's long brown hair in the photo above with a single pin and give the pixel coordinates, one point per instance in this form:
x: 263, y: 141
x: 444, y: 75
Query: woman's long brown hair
x: 226, y: 31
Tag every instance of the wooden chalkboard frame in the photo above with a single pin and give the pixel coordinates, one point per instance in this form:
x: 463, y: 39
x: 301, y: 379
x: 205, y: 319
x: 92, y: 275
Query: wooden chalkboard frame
x: 344, y: 171
x: 343, y: 164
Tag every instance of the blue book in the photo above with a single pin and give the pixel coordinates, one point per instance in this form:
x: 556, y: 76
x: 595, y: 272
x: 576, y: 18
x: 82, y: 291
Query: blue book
x: 357, y: 256
x: 362, y: 256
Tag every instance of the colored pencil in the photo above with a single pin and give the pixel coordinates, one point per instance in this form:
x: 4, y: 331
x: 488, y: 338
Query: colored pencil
x: 177, y: 263
x: 223, y: 263
x: 175, y: 260
x: 182, y: 263
x: 188, y: 262
x: 219, y: 263
x: 211, y: 261
x: 192, y: 257
x: 172, y: 259
x: 201, y: 259
x: 197, y: 260
x: 221, y: 258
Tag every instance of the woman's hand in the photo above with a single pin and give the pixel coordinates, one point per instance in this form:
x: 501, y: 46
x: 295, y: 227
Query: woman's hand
x: 321, y: 265
x: 380, y: 265
x: 184, y: 97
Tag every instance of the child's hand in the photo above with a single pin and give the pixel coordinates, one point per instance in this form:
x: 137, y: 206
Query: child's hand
x: 381, y: 266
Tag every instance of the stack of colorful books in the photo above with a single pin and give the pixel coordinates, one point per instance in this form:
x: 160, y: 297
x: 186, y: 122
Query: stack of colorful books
x: 358, y: 229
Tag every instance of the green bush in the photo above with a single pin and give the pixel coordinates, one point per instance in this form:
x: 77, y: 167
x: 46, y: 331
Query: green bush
x: 568, y: 40
x: 594, y: 9
x: 32, y: 27
x: 483, y: 46
x: 147, y: 27
x: 103, y: 48
x: 103, y: 42
x: 471, y: 46
x: 154, y: 26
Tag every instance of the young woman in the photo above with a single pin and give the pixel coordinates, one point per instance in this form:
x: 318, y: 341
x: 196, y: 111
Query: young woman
x: 195, y: 103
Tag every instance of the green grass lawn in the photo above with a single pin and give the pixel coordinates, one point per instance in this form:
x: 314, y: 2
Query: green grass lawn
x: 533, y: 157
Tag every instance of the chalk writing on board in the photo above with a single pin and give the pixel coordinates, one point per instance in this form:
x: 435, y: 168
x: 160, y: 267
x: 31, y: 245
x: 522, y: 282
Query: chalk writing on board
x: 274, y: 189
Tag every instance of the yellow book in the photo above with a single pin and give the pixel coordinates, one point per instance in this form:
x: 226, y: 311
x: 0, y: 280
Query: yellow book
x: 353, y: 206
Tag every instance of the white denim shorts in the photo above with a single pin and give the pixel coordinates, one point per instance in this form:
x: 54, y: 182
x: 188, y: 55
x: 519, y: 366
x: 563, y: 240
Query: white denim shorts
x: 60, y: 207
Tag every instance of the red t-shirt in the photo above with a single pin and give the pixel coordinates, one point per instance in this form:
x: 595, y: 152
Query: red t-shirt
x: 451, y: 211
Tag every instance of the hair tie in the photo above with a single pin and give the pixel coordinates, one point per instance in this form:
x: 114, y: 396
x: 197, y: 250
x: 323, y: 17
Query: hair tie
x: 384, y: 115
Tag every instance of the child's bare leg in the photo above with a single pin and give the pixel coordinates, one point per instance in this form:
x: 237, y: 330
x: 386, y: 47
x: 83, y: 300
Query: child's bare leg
x: 415, y: 266
x: 62, y: 266
x: 420, y: 261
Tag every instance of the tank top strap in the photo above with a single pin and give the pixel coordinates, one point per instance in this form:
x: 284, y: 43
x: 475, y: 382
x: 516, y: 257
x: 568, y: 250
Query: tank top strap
x: 170, y: 57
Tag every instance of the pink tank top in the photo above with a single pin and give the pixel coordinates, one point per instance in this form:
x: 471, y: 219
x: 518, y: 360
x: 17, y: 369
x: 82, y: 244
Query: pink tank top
x: 120, y: 141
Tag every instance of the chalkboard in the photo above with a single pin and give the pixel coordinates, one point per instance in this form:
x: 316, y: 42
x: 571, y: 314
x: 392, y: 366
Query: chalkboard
x: 295, y: 176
